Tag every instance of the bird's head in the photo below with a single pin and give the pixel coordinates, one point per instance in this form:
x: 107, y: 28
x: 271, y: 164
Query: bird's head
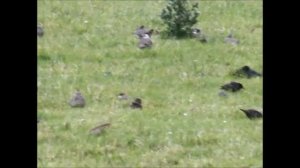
x: 246, y: 68
x: 138, y: 100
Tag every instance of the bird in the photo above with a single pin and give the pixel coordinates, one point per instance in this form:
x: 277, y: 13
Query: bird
x: 252, y: 114
x: 40, y: 31
x: 99, y: 129
x: 137, y: 103
x: 141, y: 31
x: 145, y: 41
x: 122, y: 96
x: 232, y: 86
x: 77, y: 100
x: 231, y: 40
x: 246, y: 71
x: 197, y: 33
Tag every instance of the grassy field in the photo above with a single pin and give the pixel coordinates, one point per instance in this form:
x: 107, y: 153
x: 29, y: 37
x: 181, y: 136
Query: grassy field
x: 89, y: 45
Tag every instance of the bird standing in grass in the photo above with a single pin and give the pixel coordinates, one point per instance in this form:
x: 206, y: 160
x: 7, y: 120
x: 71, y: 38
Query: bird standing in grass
x: 197, y: 33
x: 99, y: 129
x: 122, y: 96
x: 137, y: 103
x: 140, y: 32
x: 252, y: 114
x: 232, y: 86
x: 40, y: 31
x: 247, y: 72
x: 77, y: 100
x: 231, y: 40
x: 145, y: 41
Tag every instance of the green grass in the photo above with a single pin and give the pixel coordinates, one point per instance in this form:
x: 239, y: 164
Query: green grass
x: 90, y: 45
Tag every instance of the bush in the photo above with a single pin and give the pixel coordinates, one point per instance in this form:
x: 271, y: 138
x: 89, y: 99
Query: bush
x: 179, y: 17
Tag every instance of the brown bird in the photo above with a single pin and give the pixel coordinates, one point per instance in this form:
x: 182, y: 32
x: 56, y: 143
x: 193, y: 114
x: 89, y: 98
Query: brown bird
x: 252, y: 114
x: 137, y: 103
x: 77, y: 100
x: 99, y: 129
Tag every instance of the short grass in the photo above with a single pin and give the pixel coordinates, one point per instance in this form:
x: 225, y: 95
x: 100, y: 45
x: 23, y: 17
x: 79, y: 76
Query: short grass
x: 89, y: 45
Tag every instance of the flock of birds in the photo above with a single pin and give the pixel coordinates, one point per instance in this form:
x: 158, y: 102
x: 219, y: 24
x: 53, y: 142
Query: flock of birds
x: 144, y: 36
x: 145, y: 41
x: 233, y: 86
x: 78, y: 100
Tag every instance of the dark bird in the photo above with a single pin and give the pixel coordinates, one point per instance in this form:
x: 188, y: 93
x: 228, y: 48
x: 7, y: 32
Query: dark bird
x: 252, y: 114
x: 145, y: 41
x: 232, y: 86
x: 137, y: 103
x: 99, y: 129
x: 122, y: 96
x: 247, y: 72
x: 40, y: 31
x: 231, y: 40
x: 77, y: 100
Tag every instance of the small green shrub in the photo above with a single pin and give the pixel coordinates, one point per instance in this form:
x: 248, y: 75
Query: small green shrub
x: 179, y: 16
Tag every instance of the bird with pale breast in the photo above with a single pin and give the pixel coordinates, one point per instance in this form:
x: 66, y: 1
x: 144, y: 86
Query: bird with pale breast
x: 77, y: 100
